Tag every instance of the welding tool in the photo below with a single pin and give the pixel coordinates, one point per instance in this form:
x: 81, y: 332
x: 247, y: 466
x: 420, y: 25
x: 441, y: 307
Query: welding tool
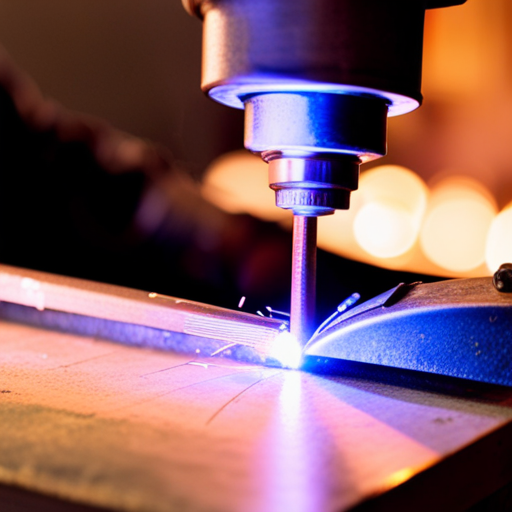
x: 317, y: 80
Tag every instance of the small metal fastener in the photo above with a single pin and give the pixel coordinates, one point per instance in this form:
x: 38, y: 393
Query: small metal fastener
x: 502, y: 279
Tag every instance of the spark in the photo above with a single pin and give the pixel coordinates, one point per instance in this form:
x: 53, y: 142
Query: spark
x: 277, y: 312
x: 242, y: 302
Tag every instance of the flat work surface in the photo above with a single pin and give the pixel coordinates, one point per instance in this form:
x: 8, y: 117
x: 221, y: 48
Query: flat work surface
x: 133, y: 429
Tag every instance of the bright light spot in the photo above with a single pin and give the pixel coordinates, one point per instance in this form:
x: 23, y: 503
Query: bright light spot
x: 33, y: 293
x: 290, y: 397
x: 238, y: 183
x: 393, y: 204
x: 384, y: 230
x: 287, y: 350
x: 399, y: 477
x: 499, y: 240
x: 457, y: 223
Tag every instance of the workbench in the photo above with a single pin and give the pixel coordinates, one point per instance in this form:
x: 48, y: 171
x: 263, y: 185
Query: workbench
x: 88, y: 424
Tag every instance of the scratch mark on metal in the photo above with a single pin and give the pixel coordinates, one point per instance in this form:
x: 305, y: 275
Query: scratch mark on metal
x: 160, y: 395
x: 239, y: 395
x: 202, y: 365
x: 238, y: 368
x: 164, y: 369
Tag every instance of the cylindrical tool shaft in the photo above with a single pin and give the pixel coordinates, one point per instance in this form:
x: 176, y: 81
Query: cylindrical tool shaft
x: 302, y: 310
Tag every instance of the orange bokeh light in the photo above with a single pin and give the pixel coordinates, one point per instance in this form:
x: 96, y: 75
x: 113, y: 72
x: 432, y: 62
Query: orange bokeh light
x: 456, y: 225
x: 498, y: 249
x: 393, y: 204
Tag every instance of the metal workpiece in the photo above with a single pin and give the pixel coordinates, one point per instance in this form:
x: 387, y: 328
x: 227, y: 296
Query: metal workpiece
x: 303, y: 294
x: 460, y: 328
x: 138, y: 318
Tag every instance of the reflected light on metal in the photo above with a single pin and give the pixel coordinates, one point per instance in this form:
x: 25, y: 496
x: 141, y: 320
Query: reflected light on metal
x: 286, y: 349
x: 455, y: 230
x: 295, y: 480
x: 393, y: 204
x: 498, y: 248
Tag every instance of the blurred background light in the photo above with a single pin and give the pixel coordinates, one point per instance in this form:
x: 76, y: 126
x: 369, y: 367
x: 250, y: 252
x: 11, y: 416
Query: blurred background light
x: 498, y: 249
x: 459, y: 216
x: 384, y: 229
x: 388, y: 221
x: 237, y: 182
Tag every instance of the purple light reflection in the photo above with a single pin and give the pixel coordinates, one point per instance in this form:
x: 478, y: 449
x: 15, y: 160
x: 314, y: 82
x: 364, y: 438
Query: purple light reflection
x: 294, y: 469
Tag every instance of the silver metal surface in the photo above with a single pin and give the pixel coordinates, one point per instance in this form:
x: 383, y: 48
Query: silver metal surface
x: 303, y: 295
x: 314, y: 144
x: 459, y: 328
x: 315, y: 123
x: 137, y: 317
x: 313, y: 186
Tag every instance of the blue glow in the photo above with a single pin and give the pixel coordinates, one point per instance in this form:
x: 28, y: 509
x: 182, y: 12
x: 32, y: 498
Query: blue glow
x: 231, y: 93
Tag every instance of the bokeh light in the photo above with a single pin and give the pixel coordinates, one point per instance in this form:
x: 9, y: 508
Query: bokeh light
x: 394, y: 220
x: 237, y: 182
x: 499, y: 240
x: 455, y: 230
x: 393, y: 203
